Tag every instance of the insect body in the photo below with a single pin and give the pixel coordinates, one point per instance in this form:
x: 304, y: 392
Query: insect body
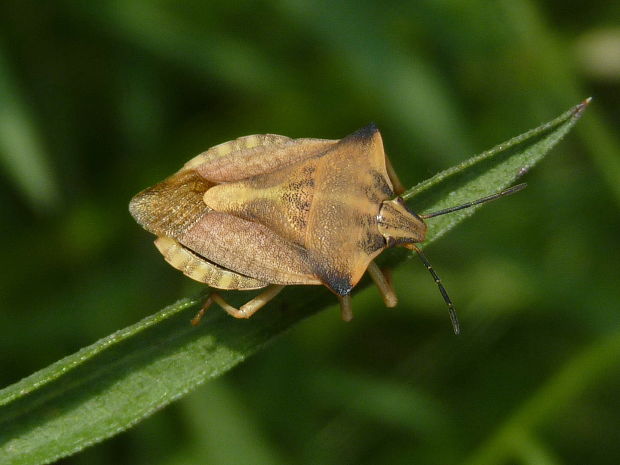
x: 266, y: 211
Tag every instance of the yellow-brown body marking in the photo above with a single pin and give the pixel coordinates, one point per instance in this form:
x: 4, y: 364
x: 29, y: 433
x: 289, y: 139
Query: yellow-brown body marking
x: 267, y: 209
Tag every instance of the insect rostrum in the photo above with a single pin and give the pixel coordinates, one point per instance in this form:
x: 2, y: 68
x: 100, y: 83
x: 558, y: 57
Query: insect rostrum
x: 266, y: 211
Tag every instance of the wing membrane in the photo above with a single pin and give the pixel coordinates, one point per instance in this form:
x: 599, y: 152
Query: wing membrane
x: 253, y: 155
x: 249, y: 248
x: 202, y: 270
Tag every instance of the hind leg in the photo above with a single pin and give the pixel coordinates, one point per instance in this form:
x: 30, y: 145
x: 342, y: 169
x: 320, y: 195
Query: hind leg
x: 246, y: 310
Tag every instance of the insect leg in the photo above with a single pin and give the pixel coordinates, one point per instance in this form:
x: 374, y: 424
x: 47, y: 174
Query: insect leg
x: 398, y: 186
x: 346, y: 311
x: 196, y: 320
x: 251, y: 307
x: 382, y: 281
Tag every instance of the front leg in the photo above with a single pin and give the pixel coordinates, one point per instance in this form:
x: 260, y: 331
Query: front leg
x: 383, y: 283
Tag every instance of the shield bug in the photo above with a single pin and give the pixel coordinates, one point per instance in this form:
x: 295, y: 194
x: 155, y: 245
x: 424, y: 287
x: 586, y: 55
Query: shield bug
x: 267, y: 211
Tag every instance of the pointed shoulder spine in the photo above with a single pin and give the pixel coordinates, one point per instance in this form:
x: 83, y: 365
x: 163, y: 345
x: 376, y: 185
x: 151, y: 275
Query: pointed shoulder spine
x: 363, y: 134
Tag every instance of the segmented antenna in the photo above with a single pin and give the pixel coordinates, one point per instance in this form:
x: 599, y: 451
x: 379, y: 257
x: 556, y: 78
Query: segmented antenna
x: 510, y: 190
x: 453, y: 318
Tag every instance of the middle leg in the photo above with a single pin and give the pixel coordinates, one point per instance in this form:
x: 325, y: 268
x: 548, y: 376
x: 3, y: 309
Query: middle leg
x: 382, y: 281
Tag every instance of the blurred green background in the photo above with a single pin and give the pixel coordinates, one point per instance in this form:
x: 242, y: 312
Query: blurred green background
x: 101, y: 99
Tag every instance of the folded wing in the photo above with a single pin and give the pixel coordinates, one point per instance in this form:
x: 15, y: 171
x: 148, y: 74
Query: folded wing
x: 253, y: 155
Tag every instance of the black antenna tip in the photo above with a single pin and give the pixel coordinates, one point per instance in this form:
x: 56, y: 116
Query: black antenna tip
x: 514, y: 189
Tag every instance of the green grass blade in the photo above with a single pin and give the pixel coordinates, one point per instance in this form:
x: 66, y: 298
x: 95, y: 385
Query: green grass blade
x: 487, y: 173
x: 21, y: 150
x: 113, y: 384
x: 105, y: 388
x: 580, y: 373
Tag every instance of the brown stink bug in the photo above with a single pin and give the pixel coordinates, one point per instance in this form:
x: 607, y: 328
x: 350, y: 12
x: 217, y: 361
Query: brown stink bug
x: 266, y: 211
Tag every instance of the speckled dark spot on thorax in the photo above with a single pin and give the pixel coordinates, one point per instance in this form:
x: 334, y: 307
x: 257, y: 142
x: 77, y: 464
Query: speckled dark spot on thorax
x: 367, y: 221
x: 299, y: 206
x: 380, y: 184
x: 309, y: 170
x: 372, y: 242
x: 297, y: 201
x: 371, y: 194
x: 301, y: 184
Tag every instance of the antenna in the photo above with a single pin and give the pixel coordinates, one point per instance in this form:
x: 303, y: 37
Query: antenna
x: 509, y: 191
x: 453, y: 318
